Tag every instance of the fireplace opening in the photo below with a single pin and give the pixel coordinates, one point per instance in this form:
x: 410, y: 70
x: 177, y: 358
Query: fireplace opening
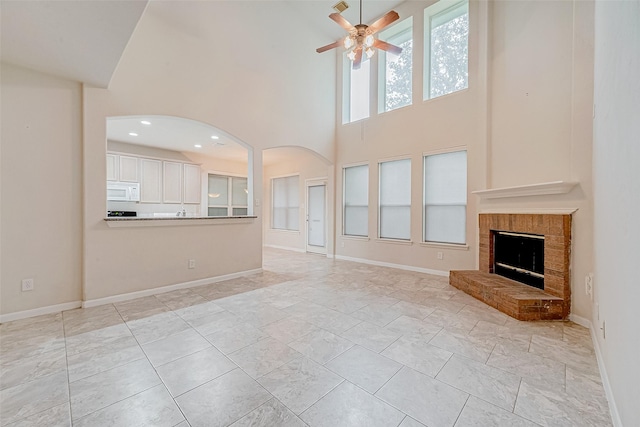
x: 520, y: 257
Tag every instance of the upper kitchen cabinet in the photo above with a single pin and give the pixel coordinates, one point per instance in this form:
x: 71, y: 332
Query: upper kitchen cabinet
x: 112, y: 167
x: 128, y: 169
x: 172, y: 182
x: 191, y: 184
x: 150, y: 181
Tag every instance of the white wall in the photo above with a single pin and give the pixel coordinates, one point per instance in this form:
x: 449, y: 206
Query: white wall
x: 616, y: 177
x: 41, y: 208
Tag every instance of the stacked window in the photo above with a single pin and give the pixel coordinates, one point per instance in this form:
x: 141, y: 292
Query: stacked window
x: 395, y: 200
x: 356, y: 201
x: 396, y: 70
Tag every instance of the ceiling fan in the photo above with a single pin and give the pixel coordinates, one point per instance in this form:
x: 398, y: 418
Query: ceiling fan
x: 360, y: 39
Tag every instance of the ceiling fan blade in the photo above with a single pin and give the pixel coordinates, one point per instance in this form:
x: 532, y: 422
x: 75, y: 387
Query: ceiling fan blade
x: 387, y: 19
x: 387, y: 46
x: 357, y: 61
x: 341, y: 21
x: 329, y: 46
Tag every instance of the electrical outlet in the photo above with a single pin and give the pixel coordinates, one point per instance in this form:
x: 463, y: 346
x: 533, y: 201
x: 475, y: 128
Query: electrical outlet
x: 588, y: 285
x: 27, y: 285
x: 192, y: 263
x: 440, y: 255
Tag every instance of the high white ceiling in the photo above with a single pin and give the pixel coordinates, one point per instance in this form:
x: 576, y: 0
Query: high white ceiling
x: 77, y: 40
x: 83, y: 40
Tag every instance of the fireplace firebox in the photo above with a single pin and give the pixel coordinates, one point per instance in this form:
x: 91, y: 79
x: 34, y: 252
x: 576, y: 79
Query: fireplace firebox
x: 519, y: 256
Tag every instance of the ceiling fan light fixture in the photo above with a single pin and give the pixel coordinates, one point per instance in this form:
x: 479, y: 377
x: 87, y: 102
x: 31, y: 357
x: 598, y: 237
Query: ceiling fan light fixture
x: 352, y: 55
x: 368, y: 41
x: 348, y: 42
x: 369, y: 52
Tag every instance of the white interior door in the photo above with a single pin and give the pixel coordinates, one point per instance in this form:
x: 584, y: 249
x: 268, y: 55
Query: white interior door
x: 316, y: 222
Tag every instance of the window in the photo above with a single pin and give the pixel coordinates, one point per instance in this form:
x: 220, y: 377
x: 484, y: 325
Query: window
x: 355, y: 213
x: 446, y: 48
x: 395, y: 199
x: 396, y: 70
x: 445, y: 197
x: 356, y: 93
x: 285, y: 203
x: 227, y: 195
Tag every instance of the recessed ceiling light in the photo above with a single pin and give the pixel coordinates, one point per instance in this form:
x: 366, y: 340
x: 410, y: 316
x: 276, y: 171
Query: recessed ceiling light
x: 198, y: 146
x: 145, y: 122
x: 133, y: 134
x: 215, y: 137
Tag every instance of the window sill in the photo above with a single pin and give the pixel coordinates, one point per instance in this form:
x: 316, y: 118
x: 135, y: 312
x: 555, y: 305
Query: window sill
x: 126, y: 222
x: 453, y: 246
x: 361, y: 238
x: 395, y: 241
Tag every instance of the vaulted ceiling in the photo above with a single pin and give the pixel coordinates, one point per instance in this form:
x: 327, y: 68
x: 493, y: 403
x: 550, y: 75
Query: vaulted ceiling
x: 84, y: 40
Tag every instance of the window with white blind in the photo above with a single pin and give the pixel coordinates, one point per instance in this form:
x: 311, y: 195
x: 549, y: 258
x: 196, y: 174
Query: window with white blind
x: 285, y: 204
x: 355, y: 213
x: 446, y: 56
x: 356, y: 83
x: 395, y: 200
x: 227, y: 195
x: 445, y: 197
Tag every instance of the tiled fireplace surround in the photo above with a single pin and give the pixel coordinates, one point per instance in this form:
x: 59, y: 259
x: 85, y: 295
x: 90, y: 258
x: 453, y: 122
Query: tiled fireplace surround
x: 513, y: 298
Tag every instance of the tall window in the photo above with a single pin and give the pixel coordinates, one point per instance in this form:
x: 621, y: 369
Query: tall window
x: 227, y: 195
x: 395, y: 200
x: 446, y: 48
x: 396, y: 70
x: 285, y: 203
x: 445, y: 197
x: 356, y: 201
x: 356, y: 93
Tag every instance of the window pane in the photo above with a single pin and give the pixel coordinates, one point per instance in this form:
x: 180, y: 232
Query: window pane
x: 356, y: 200
x: 449, y: 51
x: 239, y: 191
x: 398, y: 69
x: 359, y: 91
x: 240, y: 211
x: 445, y: 197
x: 218, y: 190
x: 395, y: 199
x: 285, y: 203
x: 218, y: 212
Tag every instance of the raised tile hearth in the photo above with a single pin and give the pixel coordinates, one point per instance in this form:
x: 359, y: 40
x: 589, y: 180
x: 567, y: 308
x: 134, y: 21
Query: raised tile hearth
x: 518, y: 300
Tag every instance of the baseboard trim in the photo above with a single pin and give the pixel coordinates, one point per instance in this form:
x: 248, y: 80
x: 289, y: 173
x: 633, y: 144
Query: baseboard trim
x: 391, y: 265
x: 285, y: 248
x: 10, y: 317
x: 148, y: 292
x: 613, y: 409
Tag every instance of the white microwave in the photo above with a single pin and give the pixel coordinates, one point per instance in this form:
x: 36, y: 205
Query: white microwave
x: 123, y: 191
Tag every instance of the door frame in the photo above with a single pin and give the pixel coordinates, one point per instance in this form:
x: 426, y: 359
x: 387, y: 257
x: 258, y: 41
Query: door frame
x: 315, y: 182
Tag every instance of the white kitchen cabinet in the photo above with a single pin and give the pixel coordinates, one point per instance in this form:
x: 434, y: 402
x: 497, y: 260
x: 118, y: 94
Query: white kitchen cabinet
x: 128, y: 167
x: 172, y: 182
x: 150, y: 181
x: 191, y: 183
x: 112, y: 167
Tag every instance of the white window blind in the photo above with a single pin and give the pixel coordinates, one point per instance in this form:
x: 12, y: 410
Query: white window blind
x: 285, y: 203
x: 356, y: 201
x: 395, y: 199
x: 445, y: 197
x: 359, y: 82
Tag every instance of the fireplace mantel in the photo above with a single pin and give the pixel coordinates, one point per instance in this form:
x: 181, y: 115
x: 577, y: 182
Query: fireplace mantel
x: 542, y: 189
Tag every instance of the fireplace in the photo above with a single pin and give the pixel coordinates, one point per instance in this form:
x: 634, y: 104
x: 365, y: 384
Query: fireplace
x: 524, y: 265
x: 519, y: 256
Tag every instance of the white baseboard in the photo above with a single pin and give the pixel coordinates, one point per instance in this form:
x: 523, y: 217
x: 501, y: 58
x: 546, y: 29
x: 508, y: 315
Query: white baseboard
x: 391, y: 265
x: 39, y: 311
x: 163, y: 289
x: 286, y: 248
x: 613, y: 409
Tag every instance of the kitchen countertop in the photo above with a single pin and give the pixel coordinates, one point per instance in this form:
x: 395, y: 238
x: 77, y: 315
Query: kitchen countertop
x: 137, y: 221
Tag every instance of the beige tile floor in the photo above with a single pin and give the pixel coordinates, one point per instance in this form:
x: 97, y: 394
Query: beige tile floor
x: 310, y: 341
